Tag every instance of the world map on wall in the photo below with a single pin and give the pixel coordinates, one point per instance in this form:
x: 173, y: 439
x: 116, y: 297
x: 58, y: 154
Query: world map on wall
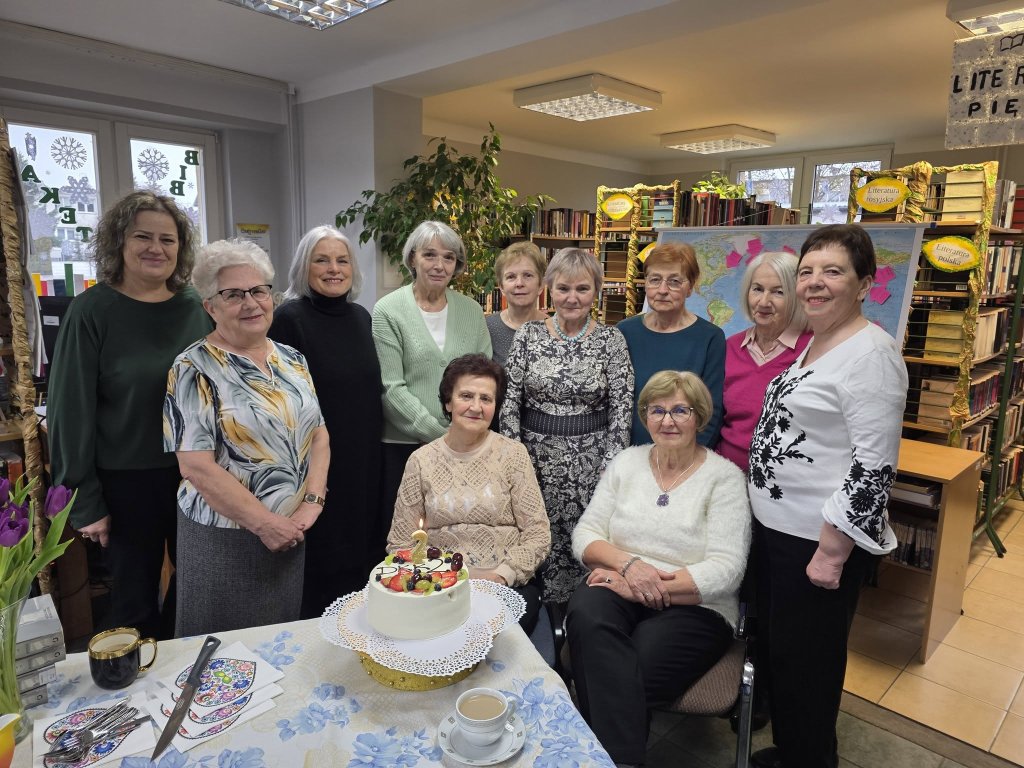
x: 724, y: 253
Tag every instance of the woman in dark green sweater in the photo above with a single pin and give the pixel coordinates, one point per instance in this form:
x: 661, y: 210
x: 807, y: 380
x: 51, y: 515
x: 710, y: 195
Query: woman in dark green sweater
x: 106, y: 392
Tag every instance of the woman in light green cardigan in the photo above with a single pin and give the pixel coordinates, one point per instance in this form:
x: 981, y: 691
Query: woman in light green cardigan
x: 418, y: 330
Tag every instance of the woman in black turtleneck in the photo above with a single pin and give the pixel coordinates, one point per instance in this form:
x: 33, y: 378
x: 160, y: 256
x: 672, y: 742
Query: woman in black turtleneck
x: 322, y: 322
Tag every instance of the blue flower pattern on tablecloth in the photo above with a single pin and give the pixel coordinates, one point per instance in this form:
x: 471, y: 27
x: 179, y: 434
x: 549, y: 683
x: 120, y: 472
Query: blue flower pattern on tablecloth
x: 385, y: 750
x: 229, y: 758
x: 552, y: 721
x: 279, y: 652
x: 315, y: 717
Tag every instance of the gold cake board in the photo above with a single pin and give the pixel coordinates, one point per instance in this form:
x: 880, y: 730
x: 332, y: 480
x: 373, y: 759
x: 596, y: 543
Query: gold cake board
x: 410, y: 681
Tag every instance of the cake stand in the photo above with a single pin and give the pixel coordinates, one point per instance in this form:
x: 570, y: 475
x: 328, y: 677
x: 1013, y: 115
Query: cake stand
x: 423, y: 665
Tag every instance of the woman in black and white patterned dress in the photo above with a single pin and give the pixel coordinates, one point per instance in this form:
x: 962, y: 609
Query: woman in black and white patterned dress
x: 822, y: 460
x: 569, y: 399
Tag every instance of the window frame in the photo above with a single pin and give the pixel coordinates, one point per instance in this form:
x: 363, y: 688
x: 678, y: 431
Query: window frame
x: 807, y: 162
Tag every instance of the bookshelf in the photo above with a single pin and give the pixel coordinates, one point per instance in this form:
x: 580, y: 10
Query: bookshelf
x: 963, y: 340
x: 947, y: 516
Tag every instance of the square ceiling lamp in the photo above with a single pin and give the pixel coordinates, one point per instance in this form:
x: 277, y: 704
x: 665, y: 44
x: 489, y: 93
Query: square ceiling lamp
x: 589, y: 97
x: 320, y: 15
x: 721, y: 138
x: 985, y: 18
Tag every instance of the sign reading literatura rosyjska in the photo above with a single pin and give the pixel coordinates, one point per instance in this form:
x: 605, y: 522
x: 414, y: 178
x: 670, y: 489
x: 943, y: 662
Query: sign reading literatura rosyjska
x: 881, y: 195
x: 952, y: 254
x: 986, y: 92
x: 616, y: 206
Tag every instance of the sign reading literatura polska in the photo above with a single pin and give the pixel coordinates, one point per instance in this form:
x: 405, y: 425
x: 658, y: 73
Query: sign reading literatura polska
x: 986, y: 92
x: 952, y: 254
x: 881, y: 195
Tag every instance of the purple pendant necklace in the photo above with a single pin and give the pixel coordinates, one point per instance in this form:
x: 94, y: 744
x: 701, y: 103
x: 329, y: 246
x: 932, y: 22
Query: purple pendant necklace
x: 663, y: 499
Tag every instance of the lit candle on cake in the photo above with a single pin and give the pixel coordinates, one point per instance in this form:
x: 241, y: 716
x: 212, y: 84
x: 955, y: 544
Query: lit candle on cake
x: 419, y: 547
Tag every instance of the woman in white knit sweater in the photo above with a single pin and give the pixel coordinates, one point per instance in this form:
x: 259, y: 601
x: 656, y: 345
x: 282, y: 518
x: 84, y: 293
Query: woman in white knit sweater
x: 666, y: 537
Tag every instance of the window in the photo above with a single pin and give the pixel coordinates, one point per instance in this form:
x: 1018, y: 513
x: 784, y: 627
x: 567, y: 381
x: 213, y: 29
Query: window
x: 818, y: 183
x: 72, y: 167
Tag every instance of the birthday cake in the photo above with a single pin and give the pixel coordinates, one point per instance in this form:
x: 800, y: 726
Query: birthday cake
x: 418, y: 601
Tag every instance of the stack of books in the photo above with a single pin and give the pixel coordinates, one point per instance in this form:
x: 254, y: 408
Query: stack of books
x: 40, y: 646
x: 962, y: 196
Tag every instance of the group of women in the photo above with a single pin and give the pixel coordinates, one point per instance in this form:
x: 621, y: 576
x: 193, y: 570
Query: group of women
x: 508, y: 438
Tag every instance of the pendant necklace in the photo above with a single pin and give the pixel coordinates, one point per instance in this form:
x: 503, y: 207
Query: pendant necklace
x: 663, y: 499
x: 564, y: 335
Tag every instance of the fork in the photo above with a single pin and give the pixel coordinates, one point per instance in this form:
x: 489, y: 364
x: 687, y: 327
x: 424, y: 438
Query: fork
x: 87, y: 738
x: 100, y: 719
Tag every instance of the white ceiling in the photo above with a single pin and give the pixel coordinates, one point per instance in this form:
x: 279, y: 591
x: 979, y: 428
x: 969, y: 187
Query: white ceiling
x: 818, y: 73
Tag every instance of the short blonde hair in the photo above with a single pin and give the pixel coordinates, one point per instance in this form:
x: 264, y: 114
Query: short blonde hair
x: 784, y: 264
x: 689, y: 385
x: 524, y: 249
x: 568, y: 261
x: 676, y: 254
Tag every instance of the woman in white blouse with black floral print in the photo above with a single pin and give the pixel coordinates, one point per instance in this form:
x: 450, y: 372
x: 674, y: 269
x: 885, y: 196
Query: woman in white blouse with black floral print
x: 822, y: 460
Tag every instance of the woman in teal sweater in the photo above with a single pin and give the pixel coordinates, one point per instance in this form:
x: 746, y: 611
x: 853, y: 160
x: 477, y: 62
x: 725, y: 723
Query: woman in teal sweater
x: 106, y: 393
x: 418, y: 330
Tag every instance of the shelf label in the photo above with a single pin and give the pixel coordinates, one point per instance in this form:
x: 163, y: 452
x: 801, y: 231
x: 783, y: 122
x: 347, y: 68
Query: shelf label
x: 952, y: 253
x: 617, y: 206
x: 646, y: 252
x: 881, y: 195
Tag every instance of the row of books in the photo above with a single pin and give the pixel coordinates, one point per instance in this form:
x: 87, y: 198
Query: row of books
x: 708, y: 209
x: 1003, y: 267
x: 915, y: 543
x: 565, y: 222
x: 935, y: 397
x: 1007, y: 472
x: 939, y: 333
x: 978, y: 437
x: 71, y: 284
x: 40, y: 645
x: 959, y: 198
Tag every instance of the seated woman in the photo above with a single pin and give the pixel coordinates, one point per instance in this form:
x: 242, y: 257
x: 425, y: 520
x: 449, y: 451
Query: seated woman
x: 474, y: 491
x: 666, y: 537
x: 243, y: 418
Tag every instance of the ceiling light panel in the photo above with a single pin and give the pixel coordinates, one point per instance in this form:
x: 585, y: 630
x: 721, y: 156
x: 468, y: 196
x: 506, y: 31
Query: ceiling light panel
x: 721, y: 138
x: 981, y: 17
x: 320, y: 15
x: 589, y: 97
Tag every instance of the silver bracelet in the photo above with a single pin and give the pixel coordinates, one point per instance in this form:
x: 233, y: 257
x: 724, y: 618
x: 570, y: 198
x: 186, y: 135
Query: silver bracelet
x: 625, y: 568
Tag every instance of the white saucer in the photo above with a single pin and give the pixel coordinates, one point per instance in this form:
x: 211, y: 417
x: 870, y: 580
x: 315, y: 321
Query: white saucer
x: 451, y: 742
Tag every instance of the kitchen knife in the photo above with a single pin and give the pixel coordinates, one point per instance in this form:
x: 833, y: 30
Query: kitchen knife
x: 188, y: 693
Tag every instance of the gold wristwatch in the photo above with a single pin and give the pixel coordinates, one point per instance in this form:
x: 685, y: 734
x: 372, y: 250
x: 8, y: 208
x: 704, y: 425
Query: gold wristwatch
x: 312, y: 498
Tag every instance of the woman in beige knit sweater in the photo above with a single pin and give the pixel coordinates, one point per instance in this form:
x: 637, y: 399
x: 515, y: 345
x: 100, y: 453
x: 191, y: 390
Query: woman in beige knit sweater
x: 474, y: 491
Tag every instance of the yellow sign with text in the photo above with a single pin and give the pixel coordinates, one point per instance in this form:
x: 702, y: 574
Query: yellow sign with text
x: 881, y: 195
x: 617, y: 206
x: 952, y: 254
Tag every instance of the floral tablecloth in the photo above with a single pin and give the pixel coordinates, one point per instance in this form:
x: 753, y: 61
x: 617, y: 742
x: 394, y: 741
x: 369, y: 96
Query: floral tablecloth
x: 333, y: 714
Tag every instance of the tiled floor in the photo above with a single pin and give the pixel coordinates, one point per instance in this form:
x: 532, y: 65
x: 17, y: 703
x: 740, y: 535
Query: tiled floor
x: 972, y: 687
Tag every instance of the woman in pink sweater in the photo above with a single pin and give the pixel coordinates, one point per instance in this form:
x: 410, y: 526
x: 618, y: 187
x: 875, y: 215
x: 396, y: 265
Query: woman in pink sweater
x: 757, y: 355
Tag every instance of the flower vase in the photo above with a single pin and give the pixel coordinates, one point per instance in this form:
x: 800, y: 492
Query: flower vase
x: 10, y: 696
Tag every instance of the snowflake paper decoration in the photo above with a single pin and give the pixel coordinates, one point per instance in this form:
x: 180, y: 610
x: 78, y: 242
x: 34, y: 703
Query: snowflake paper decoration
x: 76, y: 192
x: 68, y: 153
x: 153, y: 164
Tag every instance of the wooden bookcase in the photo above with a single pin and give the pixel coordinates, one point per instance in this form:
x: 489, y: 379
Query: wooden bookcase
x: 957, y: 471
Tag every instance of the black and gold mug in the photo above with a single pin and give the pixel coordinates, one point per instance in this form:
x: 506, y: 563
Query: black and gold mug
x: 115, y: 656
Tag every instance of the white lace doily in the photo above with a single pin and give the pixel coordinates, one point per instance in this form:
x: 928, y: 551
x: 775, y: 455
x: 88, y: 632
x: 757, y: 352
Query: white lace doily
x: 493, y: 608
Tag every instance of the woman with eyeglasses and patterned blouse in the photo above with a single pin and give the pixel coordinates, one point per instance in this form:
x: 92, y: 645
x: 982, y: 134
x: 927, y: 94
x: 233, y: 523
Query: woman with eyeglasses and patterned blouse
x: 243, y: 418
x: 665, y: 537
x: 669, y: 336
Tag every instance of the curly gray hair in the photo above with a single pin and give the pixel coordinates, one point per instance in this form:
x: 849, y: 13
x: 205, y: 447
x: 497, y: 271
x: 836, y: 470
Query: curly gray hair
x: 212, y: 258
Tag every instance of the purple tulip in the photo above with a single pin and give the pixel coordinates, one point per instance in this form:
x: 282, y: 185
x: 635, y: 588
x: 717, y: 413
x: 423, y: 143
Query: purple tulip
x: 12, y: 530
x: 56, y: 499
x: 20, y: 511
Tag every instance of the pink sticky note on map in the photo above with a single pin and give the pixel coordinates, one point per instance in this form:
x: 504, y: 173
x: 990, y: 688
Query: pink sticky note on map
x: 733, y: 259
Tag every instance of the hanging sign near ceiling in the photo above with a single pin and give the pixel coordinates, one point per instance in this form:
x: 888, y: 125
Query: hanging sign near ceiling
x: 986, y: 92
x: 881, y: 195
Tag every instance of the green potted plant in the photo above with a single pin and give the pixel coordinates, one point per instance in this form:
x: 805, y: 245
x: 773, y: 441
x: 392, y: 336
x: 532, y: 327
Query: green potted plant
x: 458, y: 189
x: 719, y: 183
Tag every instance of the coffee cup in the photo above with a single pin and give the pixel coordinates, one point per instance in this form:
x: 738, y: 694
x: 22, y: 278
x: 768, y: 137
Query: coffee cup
x: 482, y: 714
x: 115, y: 657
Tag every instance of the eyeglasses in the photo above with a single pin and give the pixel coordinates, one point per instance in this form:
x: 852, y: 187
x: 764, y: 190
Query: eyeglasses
x: 673, y: 283
x: 680, y: 413
x: 233, y: 296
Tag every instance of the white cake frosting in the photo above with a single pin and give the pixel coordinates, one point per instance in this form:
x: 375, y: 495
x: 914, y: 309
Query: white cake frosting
x: 412, y: 615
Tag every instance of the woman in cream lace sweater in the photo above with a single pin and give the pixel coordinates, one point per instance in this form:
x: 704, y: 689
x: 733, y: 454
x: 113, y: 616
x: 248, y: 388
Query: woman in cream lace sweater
x: 474, y: 491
